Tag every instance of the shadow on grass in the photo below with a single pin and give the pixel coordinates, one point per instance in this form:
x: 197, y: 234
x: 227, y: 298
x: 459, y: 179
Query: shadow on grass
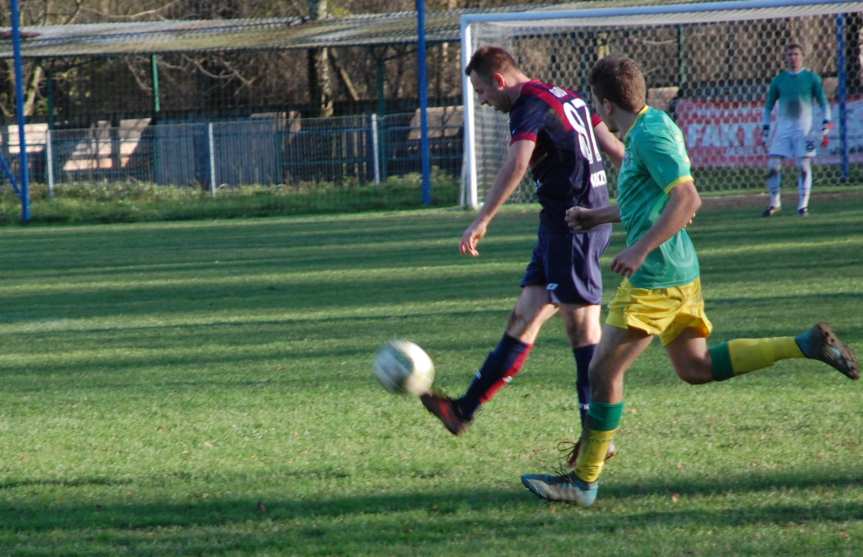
x: 431, y: 520
x: 72, y: 482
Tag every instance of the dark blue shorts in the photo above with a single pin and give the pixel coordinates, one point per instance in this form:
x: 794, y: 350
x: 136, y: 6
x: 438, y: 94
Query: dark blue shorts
x: 568, y: 265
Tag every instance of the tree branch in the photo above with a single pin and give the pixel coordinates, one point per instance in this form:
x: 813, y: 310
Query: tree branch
x: 133, y: 17
x: 345, y: 78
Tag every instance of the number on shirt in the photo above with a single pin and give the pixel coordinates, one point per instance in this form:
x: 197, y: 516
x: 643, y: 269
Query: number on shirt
x: 586, y: 138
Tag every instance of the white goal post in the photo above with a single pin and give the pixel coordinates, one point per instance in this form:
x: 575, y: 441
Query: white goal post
x: 708, y: 64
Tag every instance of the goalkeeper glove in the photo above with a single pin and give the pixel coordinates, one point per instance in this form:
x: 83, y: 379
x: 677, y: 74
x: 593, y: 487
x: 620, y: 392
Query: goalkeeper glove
x: 825, y: 133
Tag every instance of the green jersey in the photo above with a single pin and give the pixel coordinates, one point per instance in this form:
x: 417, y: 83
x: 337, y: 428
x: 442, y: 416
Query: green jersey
x: 796, y: 93
x: 654, y: 163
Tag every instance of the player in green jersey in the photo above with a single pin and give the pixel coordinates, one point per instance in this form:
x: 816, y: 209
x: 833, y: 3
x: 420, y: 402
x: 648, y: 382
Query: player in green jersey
x: 796, y: 90
x: 660, y: 294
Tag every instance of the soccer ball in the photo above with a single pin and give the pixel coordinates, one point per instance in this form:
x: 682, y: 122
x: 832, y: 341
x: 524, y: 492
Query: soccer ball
x: 403, y: 367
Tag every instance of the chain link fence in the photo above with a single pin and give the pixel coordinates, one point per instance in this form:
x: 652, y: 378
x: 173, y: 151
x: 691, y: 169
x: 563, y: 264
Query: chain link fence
x: 710, y: 70
x: 266, y: 149
x: 201, y: 125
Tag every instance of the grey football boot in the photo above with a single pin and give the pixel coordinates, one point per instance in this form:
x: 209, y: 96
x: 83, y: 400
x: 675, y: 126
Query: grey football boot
x: 821, y: 343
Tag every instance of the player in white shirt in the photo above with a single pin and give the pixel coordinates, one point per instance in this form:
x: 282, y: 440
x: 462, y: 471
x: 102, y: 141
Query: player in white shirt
x: 797, y: 90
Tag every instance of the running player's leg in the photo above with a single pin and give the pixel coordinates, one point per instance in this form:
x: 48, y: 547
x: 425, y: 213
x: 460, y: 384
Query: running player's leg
x: 575, y: 282
x: 573, y: 266
x: 690, y: 357
x: 616, y: 352
x: 531, y: 311
x: 696, y: 363
x: 685, y: 340
x: 584, y: 331
x: 501, y: 365
x: 533, y: 308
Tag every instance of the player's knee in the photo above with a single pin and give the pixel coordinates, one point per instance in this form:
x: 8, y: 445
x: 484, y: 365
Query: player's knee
x: 595, y: 372
x: 772, y: 173
x: 520, y: 324
x: 693, y: 377
x: 603, y: 368
x: 693, y: 368
x: 694, y: 374
x: 583, y: 334
x: 515, y: 322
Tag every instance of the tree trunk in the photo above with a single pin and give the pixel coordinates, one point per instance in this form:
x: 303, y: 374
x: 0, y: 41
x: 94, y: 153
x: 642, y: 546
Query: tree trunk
x: 446, y: 58
x: 320, y: 81
x: 854, y: 48
x: 32, y: 89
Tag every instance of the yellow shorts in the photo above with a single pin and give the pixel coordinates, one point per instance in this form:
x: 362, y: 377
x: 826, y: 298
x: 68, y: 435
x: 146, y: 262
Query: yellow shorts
x: 665, y: 312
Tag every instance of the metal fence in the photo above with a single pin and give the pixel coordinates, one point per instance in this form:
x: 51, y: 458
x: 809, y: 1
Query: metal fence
x: 266, y: 149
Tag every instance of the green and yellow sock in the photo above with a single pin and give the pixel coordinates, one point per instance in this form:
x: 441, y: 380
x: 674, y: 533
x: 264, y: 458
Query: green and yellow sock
x: 603, y: 420
x: 743, y: 355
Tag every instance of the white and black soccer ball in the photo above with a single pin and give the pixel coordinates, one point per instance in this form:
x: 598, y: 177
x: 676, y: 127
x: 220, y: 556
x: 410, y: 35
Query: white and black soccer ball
x: 403, y: 367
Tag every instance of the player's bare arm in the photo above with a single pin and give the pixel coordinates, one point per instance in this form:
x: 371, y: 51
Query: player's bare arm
x: 609, y: 144
x: 582, y: 218
x: 514, y: 168
x: 683, y: 203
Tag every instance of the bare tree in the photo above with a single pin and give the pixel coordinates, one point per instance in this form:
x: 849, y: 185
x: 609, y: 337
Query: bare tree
x: 320, y: 83
x: 47, y: 12
x: 220, y: 81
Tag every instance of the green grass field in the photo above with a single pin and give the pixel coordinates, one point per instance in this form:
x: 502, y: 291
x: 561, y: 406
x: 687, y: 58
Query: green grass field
x: 205, y: 388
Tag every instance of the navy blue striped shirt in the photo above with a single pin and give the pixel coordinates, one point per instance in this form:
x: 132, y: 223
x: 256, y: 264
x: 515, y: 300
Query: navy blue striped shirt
x: 566, y: 164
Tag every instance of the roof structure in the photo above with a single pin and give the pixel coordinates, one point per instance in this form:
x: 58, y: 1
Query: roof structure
x: 108, y: 39
x: 153, y: 37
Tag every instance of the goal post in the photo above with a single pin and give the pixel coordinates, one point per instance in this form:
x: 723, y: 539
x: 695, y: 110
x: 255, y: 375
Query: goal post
x: 708, y: 64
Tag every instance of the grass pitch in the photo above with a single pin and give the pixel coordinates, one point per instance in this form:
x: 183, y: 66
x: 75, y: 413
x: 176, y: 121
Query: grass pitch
x: 205, y: 388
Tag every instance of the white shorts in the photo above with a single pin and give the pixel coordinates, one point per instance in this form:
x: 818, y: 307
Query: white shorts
x: 792, y: 143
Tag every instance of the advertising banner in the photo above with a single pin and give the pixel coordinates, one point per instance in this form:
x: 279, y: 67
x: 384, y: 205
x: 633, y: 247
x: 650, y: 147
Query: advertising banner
x: 728, y: 133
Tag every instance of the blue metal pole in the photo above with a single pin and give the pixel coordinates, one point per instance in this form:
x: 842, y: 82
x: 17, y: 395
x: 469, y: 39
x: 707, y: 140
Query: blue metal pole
x: 19, y: 109
x: 424, y: 101
x: 842, y: 93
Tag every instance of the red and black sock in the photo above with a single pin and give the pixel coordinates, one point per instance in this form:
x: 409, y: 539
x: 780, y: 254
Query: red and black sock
x: 502, y: 364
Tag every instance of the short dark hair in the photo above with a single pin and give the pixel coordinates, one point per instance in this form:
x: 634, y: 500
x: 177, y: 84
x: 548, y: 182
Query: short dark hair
x: 798, y: 46
x: 489, y: 60
x: 619, y: 79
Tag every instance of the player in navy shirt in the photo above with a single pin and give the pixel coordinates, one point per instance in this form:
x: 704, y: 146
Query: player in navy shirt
x: 565, y: 163
x: 554, y: 135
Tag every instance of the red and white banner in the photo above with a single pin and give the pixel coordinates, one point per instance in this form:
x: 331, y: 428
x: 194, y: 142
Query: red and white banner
x: 728, y: 133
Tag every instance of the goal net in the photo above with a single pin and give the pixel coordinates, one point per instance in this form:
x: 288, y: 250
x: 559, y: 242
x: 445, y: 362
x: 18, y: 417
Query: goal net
x: 708, y: 65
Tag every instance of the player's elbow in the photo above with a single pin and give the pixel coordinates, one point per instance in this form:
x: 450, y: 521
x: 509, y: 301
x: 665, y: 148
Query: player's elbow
x: 695, y: 202
x: 691, y: 196
x: 687, y: 196
x: 616, y: 155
